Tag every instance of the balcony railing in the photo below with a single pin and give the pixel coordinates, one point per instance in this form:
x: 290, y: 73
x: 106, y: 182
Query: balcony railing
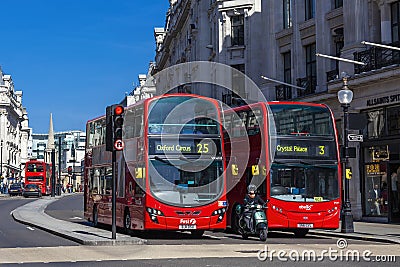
x: 233, y: 100
x: 376, y: 58
x: 283, y: 92
x: 309, y: 83
x: 332, y: 75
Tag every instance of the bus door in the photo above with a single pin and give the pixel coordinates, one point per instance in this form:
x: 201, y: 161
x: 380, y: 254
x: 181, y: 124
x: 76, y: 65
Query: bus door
x: 137, y: 193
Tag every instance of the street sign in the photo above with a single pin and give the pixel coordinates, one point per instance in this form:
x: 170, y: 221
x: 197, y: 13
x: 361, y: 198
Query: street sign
x: 119, y: 144
x: 355, y: 137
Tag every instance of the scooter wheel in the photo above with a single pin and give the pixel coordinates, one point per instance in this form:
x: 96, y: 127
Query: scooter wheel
x: 263, y: 234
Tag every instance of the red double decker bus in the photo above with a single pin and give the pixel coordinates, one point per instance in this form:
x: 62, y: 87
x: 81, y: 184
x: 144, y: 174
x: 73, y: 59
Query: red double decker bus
x: 170, y: 175
x: 39, y: 173
x: 294, y: 160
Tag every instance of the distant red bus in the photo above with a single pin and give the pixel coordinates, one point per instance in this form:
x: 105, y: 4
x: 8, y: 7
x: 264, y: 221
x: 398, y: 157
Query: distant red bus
x: 293, y: 159
x: 170, y: 175
x: 39, y: 172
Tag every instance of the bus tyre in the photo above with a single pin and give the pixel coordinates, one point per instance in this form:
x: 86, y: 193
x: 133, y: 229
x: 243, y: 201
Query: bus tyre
x: 95, y: 218
x: 300, y: 232
x: 127, y: 221
x: 197, y: 233
x: 234, y: 222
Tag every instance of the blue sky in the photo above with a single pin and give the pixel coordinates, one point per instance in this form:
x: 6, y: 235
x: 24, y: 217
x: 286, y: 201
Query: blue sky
x: 72, y: 58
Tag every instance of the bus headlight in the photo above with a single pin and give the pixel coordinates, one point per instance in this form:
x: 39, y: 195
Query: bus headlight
x: 153, y: 213
x: 220, y: 213
x: 332, y: 210
x: 277, y: 209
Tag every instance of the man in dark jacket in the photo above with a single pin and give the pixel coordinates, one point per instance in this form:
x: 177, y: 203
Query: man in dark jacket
x: 251, y: 199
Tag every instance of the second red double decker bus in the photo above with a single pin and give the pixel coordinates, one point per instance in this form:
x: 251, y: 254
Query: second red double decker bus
x: 39, y: 173
x: 170, y: 175
x: 294, y: 160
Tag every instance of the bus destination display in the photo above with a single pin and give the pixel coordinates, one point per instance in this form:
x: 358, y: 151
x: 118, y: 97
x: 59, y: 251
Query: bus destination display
x: 184, y: 146
x: 303, y: 149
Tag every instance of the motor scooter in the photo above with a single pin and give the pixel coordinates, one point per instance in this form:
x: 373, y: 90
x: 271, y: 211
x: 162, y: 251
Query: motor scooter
x: 252, y: 221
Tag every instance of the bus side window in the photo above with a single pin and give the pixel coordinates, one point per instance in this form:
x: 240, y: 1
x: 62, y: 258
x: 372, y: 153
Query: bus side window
x: 253, y: 125
x: 227, y: 126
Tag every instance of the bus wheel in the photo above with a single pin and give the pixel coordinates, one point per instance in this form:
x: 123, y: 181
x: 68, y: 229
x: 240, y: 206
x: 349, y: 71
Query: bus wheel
x: 234, y: 221
x: 95, y: 219
x: 300, y: 232
x: 127, y: 221
x: 197, y: 233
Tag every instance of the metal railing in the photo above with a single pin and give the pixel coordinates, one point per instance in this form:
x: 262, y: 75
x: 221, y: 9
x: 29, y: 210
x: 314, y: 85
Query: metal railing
x: 309, y: 83
x: 376, y: 58
x: 332, y: 75
x: 283, y: 92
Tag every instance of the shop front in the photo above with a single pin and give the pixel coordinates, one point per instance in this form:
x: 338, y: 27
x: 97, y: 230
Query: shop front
x: 380, y: 161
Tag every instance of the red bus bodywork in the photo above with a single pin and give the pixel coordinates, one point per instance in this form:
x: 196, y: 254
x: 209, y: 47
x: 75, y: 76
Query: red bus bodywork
x: 139, y: 205
x: 38, y: 172
x: 289, y: 207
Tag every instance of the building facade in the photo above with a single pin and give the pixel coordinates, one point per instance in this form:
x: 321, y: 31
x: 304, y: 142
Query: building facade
x: 280, y: 39
x: 72, y: 147
x: 14, y: 131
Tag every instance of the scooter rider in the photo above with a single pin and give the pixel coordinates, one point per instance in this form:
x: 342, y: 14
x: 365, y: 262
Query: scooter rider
x: 251, y: 199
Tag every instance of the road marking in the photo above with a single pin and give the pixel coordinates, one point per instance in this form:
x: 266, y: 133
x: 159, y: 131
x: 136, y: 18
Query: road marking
x: 30, y: 228
x: 215, y: 237
x: 76, y: 218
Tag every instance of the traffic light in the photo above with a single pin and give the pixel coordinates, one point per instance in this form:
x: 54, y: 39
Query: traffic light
x: 114, y: 127
x: 118, y: 118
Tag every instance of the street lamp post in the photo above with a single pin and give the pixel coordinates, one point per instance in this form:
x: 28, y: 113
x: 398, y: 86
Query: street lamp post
x: 345, y: 97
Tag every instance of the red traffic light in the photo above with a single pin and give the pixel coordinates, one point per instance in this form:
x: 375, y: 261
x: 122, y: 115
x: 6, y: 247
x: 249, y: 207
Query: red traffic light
x: 118, y: 110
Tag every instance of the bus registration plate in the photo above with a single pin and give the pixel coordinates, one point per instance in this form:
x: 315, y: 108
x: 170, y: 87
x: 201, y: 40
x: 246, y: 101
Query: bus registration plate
x: 187, y: 226
x: 305, y: 225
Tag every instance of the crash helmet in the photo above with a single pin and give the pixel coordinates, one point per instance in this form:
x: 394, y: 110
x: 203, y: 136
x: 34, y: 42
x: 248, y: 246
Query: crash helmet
x: 251, y: 188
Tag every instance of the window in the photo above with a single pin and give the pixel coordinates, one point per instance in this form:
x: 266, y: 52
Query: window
x: 376, y: 123
x: 287, y: 14
x: 238, y: 81
x: 310, y: 9
x: 393, y: 120
x: 237, y: 30
x: 311, y: 66
x: 338, y: 3
x: 287, y: 72
x: 395, y: 9
x: 339, y: 44
x: 284, y: 92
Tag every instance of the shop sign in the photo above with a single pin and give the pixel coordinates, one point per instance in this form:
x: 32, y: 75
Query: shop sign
x: 373, y: 169
x: 383, y: 100
x: 380, y: 153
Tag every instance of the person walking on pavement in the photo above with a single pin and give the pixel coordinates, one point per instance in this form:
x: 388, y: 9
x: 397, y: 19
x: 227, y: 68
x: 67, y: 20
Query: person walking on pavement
x: 376, y: 199
x: 395, y: 193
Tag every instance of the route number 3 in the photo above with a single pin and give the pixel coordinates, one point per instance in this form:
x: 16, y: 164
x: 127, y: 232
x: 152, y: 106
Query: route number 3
x: 321, y: 150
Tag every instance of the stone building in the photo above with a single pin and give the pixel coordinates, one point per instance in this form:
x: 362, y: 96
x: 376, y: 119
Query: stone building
x: 72, y: 147
x: 14, y: 131
x: 280, y: 39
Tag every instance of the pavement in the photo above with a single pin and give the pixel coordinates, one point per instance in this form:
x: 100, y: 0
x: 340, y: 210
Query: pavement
x: 33, y: 214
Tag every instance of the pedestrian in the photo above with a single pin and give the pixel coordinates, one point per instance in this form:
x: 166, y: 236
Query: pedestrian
x: 395, y: 193
x: 375, y: 197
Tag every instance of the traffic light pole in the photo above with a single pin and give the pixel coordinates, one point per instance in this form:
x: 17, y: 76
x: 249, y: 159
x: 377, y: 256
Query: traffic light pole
x: 114, y: 143
x: 114, y: 196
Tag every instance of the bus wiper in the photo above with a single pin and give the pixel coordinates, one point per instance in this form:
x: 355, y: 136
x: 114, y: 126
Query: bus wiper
x: 185, y: 159
x: 304, y: 162
x: 163, y: 160
x: 167, y: 162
